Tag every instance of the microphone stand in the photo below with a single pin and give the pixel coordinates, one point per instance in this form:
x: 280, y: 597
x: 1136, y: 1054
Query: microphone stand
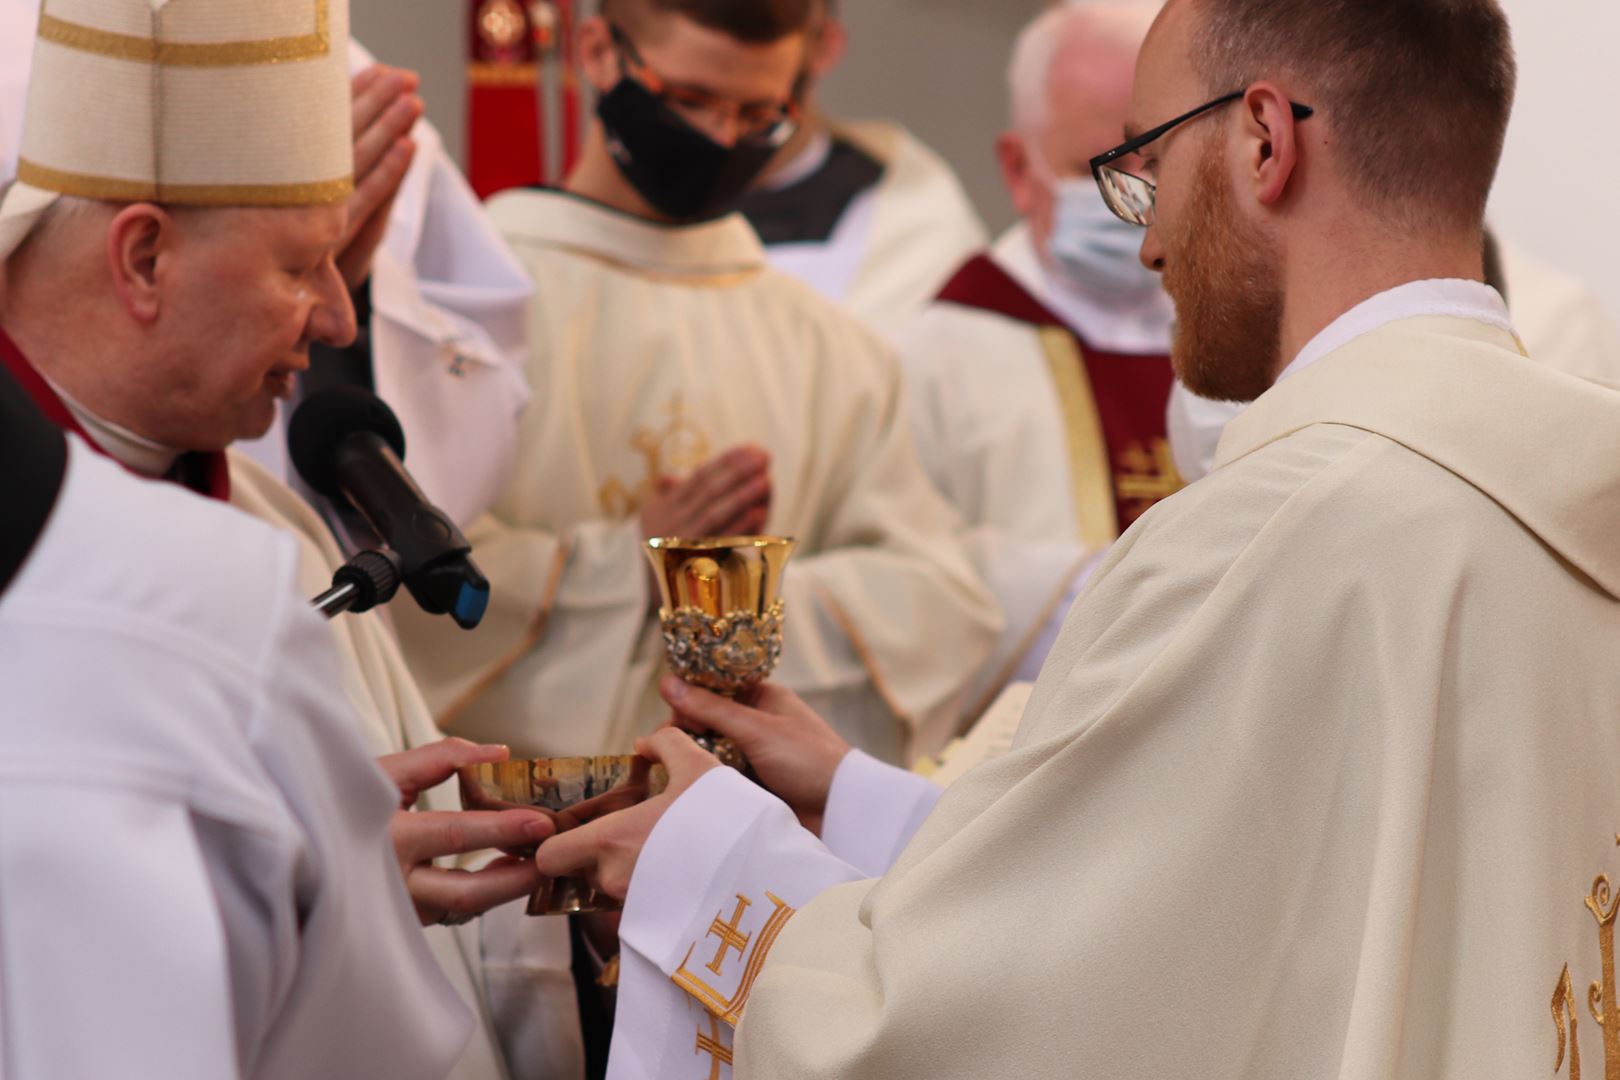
x: 368, y: 580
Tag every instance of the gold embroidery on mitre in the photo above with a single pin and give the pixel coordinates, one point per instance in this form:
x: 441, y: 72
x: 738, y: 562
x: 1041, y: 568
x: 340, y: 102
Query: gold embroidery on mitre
x: 754, y: 949
x: 71, y: 35
x: 1601, y: 998
x: 677, y: 447
x: 319, y: 193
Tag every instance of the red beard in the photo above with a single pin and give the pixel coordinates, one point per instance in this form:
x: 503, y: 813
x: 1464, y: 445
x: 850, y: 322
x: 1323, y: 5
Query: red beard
x: 1227, y: 294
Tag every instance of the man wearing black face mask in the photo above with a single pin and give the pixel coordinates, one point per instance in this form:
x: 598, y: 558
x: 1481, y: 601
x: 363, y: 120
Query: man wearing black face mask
x: 681, y: 387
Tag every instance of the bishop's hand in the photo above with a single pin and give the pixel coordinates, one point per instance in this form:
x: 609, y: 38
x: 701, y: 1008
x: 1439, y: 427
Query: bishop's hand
x: 604, y: 852
x: 793, y: 752
x: 456, y: 896
x: 385, y: 109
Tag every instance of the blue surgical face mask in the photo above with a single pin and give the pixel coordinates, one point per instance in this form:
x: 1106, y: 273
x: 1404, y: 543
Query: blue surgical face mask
x: 1091, y: 247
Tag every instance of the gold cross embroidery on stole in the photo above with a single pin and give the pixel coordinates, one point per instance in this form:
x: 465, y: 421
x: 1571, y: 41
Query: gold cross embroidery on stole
x: 751, y: 948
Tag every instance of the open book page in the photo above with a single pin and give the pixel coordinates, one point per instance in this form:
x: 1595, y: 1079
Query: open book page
x: 989, y: 739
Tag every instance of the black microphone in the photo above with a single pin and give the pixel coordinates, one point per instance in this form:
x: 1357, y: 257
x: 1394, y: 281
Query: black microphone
x: 348, y: 445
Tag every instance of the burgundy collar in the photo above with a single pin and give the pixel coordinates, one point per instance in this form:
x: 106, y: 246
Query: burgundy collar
x: 205, y: 473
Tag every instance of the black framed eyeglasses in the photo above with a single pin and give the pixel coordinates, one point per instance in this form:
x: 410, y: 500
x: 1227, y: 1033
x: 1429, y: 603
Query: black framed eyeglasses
x: 1129, y: 196
x: 767, y: 124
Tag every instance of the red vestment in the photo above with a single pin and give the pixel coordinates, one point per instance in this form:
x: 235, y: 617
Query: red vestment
x: 1113, y: 403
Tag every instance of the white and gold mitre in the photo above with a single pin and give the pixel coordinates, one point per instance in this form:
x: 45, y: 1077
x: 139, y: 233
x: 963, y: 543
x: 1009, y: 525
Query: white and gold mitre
x: 185, y: 102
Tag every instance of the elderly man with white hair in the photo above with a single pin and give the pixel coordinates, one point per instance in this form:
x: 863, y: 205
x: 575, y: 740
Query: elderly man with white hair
x: 442, y: 338
x: 1039, y: 376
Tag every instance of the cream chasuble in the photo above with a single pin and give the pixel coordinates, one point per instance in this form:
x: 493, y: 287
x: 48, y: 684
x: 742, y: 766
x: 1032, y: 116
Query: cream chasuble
x: 653, y: 349
x: 529, y: 987
x: 1562, y: 321
x: 1322, y: 780
x: 895, y: 242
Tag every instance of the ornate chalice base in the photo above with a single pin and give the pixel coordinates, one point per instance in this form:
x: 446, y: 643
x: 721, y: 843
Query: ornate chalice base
x: 728, y: 653
x: 571, y: 791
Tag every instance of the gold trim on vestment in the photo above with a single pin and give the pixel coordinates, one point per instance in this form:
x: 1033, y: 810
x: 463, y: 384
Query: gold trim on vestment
x: 190, y: 54
x: 320, y: 193
x: 868, y: 661
x: 503, y: 74
x: 703, y: 279
x: 1091, y: 472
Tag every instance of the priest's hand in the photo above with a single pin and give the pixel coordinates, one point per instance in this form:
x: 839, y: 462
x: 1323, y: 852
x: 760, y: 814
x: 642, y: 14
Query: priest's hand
x: 604, y: 851
x: 385, y: 109
x: 457, y: 896
x: 794, y: 752
x: 729, y: 495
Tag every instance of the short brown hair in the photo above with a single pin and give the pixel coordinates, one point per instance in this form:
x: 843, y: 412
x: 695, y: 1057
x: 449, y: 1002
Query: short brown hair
x: 1418, y: 92
x: 758, y: 22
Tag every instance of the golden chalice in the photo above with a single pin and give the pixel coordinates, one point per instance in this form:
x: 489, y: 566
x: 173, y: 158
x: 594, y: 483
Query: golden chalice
x: 570, y: 791
x: 722, y: 613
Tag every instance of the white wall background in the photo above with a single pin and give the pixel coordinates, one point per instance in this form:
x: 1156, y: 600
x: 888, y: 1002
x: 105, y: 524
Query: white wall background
x: 938, y: 65
x: 1558, y: 195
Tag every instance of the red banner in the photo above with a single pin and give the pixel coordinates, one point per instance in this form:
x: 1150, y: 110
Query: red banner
x: 504, y: 138
x: 523, y: 93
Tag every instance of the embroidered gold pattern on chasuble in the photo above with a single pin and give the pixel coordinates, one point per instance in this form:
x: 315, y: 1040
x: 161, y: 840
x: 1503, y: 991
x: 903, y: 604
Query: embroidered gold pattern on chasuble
x: 1600, y: 996
x: 671, y: 450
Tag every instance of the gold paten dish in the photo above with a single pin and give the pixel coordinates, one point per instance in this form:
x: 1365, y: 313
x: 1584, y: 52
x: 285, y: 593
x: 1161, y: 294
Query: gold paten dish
x: 571, y: 791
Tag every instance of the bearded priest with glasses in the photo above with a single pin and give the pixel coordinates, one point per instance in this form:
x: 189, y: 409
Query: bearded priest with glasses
x: 683, y: 388
x: 1320, y: 780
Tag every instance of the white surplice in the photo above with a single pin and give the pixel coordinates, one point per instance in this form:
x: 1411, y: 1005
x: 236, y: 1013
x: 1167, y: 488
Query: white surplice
x: 991, y: 431
x: 898, y: 241
x: 508, y: 967
x: 196, y: 879
x: 654, y: 349
x: 1316, y: 782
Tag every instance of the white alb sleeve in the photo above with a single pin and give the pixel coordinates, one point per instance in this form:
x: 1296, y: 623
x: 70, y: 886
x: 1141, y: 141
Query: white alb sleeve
x: 720, y: 877
x: 873, y: 811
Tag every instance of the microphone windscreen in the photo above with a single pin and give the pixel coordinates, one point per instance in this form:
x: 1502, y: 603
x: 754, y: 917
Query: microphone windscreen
x: 325, y: 419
